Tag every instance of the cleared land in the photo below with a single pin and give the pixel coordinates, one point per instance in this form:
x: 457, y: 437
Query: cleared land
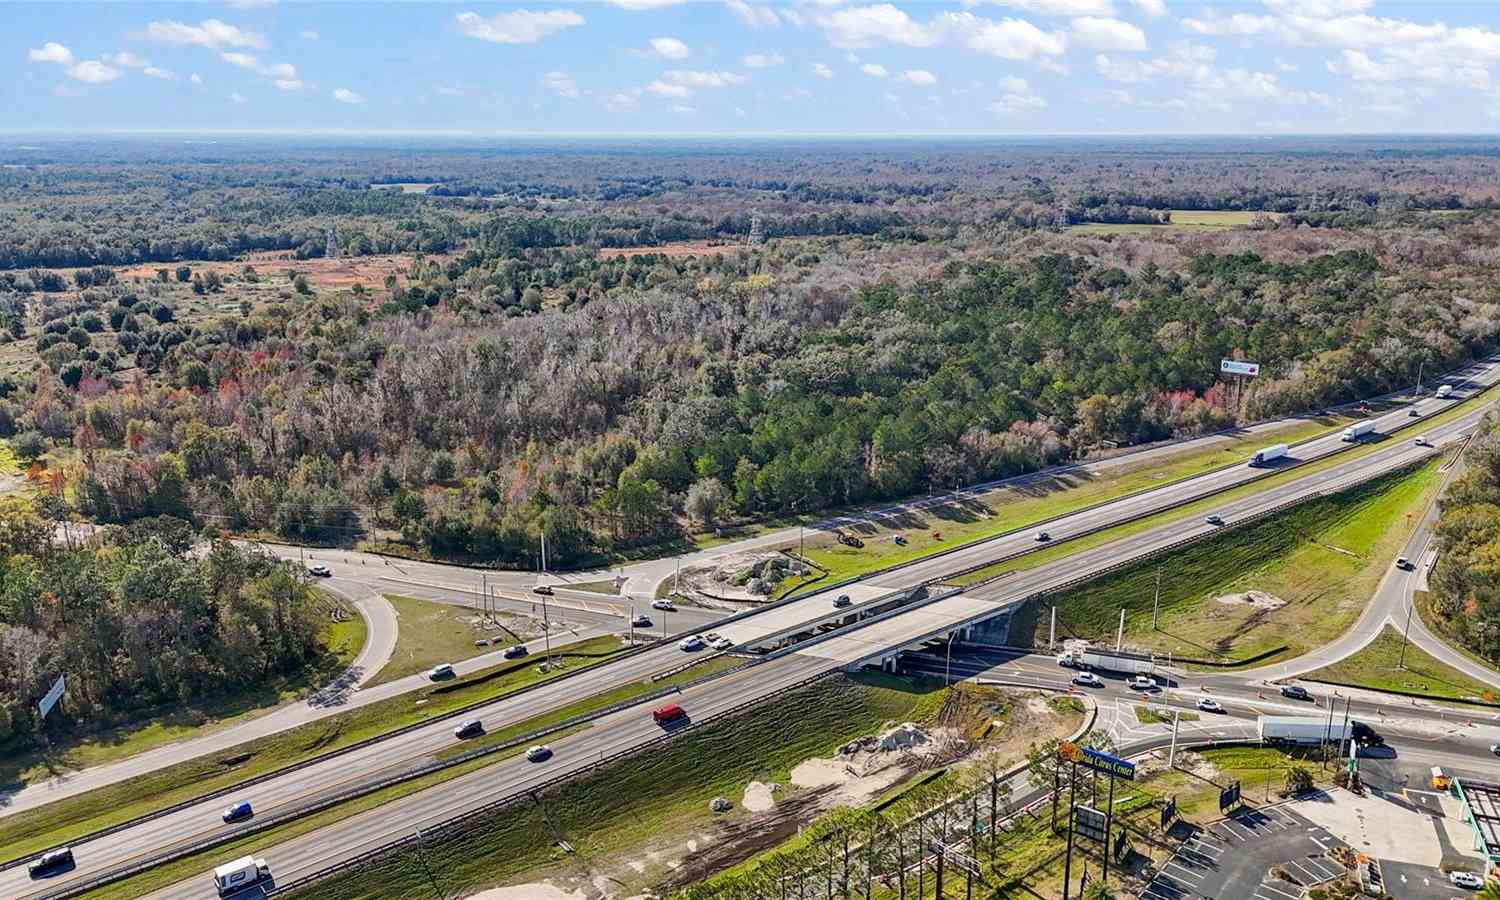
x: 276, y: 266
x: 1312, y: 569
x: 64, y: 820
x: 432, y: 633
x: 1377, y: 666
x: 1182, y: 220
x: 675, y: 249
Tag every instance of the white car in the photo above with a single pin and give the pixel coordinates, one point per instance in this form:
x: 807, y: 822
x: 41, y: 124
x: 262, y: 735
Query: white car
x: 1466, y: 880
x: 1495, y: 749
x: 1421, y: 441
x: 1142, y: 683
x: 320, y: 571
x: 538, y: 753
x: 1214, y: 520
x: 1087, y: 679
x: 1209, y: 704
x: 721, y: 643
x: 690, y: 643
x: 667, y: 605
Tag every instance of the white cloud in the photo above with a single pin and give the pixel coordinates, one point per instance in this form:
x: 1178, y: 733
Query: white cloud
x: 1007, y: 38
x: 1284, y: 66
x: 1185, y: 62
x: 623, y: 101
x: 92, y: 71
x: 126, y: 60
x: 857, y: 27
x: 243, y: 60
x: 681, y: 110
x: 739, y: 113
x: 758, y: 16
x: 874, y: 70
x: 693, y: 79
x: 561, y: 84
x: 918, y: 77
x: 1059, y: 7
x: 1108, y: 34
x: 1151, y: 9
x: 210, y: 33
x: 520, y: 26
x: 163, y: 74
x: 763, y: 60
x: 307, y: 34
x: 195, y: 78
x: 52, y: 52
x: 822, y: 71
x: 289, y: 84
x: 1016, y: 96
x: 250, y: 4
x: 344, y: 95
x: 663, y: 89
x: 1239, y: 24
x: 238, y: 98
x: 664, y: 48
x: 1320, y: 9
x: 67, y: 90
x: 1122, y: 97
x: 638, y: 5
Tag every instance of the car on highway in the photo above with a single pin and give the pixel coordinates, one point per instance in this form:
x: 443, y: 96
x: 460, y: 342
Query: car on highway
x: 515, y: 651
x: 1466, y: 880
x: 1209, y: 704
x: 1421, y: 441
x: 1214, y: 520
x: 1042, y: 537
x: 471, y: 728
x: 665, y: 715
x: 667, y: 605
x: 238, y: 811
x: 1142, y: 683
x: 440, y: 672
x: 1295, y: 692
x: 538, y: 753
x: 690, y: 643
x: 320, y: 571
x: 721, y: 643
x: 544, y: 590
x: 841, y: 601
x: 1413, y: 412
x: 51, y: 863
x: 1404, y: 563
x: 1495, y: 749
x: 641, y: 621
x: 1088, y: 679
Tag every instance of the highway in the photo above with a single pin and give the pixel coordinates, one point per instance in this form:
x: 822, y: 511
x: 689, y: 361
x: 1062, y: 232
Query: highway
x: 629, y: 729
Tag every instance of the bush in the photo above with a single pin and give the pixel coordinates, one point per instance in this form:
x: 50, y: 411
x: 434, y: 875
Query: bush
x: 29, y: 445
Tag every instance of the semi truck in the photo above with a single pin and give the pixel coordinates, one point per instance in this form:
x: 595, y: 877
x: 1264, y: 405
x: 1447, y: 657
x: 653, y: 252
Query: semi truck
x: 1444, y: 391
x: 1310, y: 730
x: 233, y: 877
x: 1107, y: 662
x: 1268, y: 455
x: 1356, y: 431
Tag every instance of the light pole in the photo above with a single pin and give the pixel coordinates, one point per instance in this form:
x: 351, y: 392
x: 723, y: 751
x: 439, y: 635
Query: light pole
x: 1420, y: 364
x: 1156, y: 601
x: 948, y: 663
x: 1406, y: 635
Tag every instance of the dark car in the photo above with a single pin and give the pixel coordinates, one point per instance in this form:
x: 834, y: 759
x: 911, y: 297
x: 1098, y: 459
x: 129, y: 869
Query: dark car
x: 542, y: 589
x: 51, y: 862
x: 320, y: 571
x: 471, y: 728
x: 1294, y: 692
x: 516, y: 651
x: 238, y: 811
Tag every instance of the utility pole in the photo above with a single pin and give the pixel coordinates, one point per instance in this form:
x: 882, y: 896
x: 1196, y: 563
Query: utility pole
x: 948, y: 663
x: 1120, y: 635
x: 677, y: 579
x: 1346, y: 727
x: 1328, y: 730
x: 1172, y: 753
x: 547, y: 631
x: 1052, y: 634
x: 1156, y: 601
x: 1420, y: 364
x: 544, y: 553
x: 630, y: 611
x: 1406, y: 635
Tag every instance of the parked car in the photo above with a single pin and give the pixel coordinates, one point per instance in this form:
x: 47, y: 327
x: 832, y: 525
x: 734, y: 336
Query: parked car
x: 1404, y: 563
x: 667, y: 714
x: 1295, y: 692
x: 1466, y: 880
x: 1214, y: 520
x: 544, y: 590
x: 667, y: 605
x: 1043, y: 537
x: 471, y: 728
x: 690, y: 643
x: 515, y: 651
x: 51, y: 862
x: 841, y: 601
x: 538, y: 753
x: 1142, y: 683
x: 1209, y: 704
x: 320, y: 571
x: 440, y: 672
x: 240, y: 810
x: 641, y: 621
x: 1088, y: 679
x: 721, y: 643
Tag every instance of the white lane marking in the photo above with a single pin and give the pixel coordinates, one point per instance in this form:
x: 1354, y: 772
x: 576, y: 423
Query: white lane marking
x: 1268, y: 886
x: 1186, y: 873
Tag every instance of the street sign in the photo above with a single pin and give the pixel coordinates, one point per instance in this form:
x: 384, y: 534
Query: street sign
x: 1090, y: 823
x: 1110, y: 765
x: 1122, y: 843
x: 1229, y: 797
x: 53, y: 695
x: 1168, y: 812
x: 1236, y: 367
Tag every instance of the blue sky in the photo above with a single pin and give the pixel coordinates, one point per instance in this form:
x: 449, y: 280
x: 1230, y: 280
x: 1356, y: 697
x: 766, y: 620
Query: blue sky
x: 741, y: 67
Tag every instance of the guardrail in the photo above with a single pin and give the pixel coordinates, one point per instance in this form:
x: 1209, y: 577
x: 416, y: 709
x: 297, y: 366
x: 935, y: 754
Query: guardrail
x: 277, y: 819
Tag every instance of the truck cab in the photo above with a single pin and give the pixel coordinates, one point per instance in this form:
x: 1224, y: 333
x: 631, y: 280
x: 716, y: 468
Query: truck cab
x: 233, y: 877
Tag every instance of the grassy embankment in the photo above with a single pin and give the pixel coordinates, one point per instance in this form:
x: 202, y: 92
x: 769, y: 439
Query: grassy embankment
x: 430, y: 633
x: 1016, y: 507
x: 65, y: 819
x: 624, y: 803
x: 1321, y: 559
x: 1376, y: 666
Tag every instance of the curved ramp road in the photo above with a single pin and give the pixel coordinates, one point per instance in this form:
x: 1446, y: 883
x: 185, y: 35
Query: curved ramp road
x: 633, y: 728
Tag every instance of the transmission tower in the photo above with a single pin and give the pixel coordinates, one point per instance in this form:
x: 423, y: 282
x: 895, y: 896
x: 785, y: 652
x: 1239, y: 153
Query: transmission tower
x: 757, y: 235
x: 332, y: 250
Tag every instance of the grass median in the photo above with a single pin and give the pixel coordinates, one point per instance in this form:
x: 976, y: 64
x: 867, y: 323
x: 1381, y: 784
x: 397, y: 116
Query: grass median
x: 1380, y: 666
x: 64, y: 820
x: 430, y: 633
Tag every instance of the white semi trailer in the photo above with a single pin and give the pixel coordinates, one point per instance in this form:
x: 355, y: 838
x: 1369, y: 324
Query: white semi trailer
x: 1269, y: 455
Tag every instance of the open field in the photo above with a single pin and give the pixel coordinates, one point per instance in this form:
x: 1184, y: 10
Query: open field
x: 432, y: 633
x: 1376, y: 666
x: 675, y: 249
x: 338, y: 272
x: 64, y: 820
x: 1313, y: 568
x: 1185, y: 220
x: 1016, y: 507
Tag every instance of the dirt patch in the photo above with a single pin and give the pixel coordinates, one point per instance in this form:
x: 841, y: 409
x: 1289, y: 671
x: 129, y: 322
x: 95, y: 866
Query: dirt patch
x: 743, y: 577
x: 1155, y: 763
x: 759, y: 796
x: 539, y: 891
x: 339, y: 272
x: 676, y: 249
x: 1258, y: 599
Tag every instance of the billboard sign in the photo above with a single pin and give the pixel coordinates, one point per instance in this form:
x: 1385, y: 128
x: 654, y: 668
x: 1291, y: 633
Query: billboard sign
x: 53, y: 695
x: 1238, y: 367
x: 1168, y: 812
x: 1090, y: 822
x: 1110, y: 765
x: 1229, y: 797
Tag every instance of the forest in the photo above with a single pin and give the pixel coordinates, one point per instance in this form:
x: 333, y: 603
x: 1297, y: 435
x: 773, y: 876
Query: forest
x: 1465, y: 597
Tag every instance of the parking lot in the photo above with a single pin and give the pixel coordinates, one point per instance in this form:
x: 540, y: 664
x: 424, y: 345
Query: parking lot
x: 1234, y: 858
x: 1406, y: 881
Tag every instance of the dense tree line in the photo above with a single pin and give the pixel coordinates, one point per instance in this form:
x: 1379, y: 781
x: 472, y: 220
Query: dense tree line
x: 1466, y: 578
x: 140, y: 622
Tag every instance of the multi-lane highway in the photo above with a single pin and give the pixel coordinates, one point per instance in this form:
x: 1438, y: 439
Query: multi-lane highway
x: 632, y: 728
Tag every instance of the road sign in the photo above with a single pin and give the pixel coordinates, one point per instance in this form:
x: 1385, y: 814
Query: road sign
x: 53, y: 695
x: 1236, y: 367
x: 1168, y: 812
x: 1090, y: 823
x: 1110, y: 765
x: 1229, y: 797
x: 1122, y: 843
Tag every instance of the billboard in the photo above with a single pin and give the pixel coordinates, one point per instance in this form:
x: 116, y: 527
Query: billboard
x: 1229, y: 797
x: 1089, y: 823
x: 53, y: 695
x: 1168, y: 812
x: 1110, y: 765
x: 1236, y: 367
